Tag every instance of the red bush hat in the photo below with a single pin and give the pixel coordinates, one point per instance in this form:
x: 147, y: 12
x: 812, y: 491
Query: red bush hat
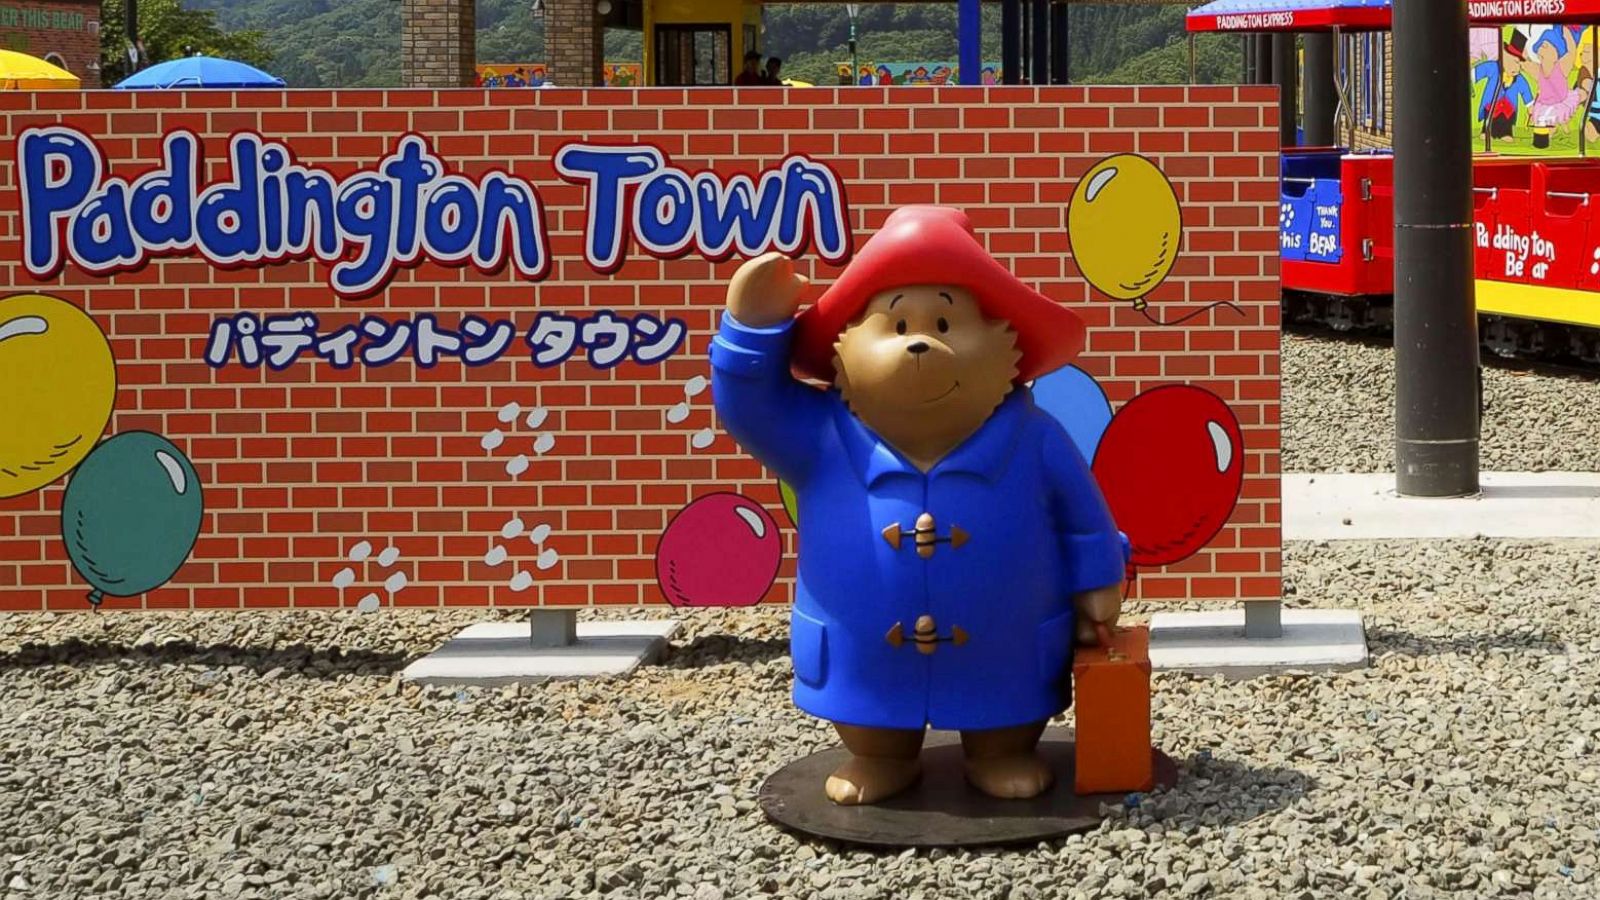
x: 936, y: 245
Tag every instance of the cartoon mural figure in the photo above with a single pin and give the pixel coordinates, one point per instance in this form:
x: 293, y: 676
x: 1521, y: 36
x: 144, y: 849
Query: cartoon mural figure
x: 60, y: 382
x: 1506, y: 90
x: 131, y: 514
x: 953, y: 542
x: 1557, y: 99
x: 1483, y: 44
x: 1591, y: 110
x: 721, y: 550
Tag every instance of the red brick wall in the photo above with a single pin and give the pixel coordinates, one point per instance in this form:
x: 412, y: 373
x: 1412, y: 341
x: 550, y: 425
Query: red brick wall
x: 302, y: 464
x: 69, y: 28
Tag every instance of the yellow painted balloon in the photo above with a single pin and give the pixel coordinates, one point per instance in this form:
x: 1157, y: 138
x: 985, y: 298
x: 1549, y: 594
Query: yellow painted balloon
x: 1124, y: 226
x: 59, y: 382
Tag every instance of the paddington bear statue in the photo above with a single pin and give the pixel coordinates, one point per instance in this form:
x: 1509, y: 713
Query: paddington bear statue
x: 952, y: 541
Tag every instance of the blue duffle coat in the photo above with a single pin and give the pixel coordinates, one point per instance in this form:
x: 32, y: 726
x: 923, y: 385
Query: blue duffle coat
x: 1020, y: 527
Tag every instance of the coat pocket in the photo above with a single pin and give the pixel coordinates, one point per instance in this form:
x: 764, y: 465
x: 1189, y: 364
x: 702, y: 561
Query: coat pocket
x: 808, y: 648
x: 1055, y: 647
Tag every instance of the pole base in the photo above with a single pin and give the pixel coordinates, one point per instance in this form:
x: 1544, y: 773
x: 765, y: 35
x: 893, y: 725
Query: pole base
x: 1436, y: 468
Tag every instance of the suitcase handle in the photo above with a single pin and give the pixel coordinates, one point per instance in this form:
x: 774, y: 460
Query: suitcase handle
x: 1102, y: 633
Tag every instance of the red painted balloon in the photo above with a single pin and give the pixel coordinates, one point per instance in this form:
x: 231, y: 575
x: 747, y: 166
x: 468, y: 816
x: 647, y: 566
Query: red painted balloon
x: 1171, y: 465
x: 720, y: 550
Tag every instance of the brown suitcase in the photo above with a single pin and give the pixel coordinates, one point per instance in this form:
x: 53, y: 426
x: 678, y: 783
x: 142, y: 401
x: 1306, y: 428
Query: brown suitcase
x: 1111, y: 700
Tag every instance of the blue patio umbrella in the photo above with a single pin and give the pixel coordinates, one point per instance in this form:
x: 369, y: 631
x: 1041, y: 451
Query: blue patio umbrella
x: 199, y: 72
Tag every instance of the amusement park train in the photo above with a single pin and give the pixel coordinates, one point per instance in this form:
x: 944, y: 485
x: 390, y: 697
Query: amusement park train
x: 1536, y: 233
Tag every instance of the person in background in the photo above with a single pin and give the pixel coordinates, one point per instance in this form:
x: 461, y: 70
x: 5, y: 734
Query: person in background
x: 771, y: 76
x: 750, y: 76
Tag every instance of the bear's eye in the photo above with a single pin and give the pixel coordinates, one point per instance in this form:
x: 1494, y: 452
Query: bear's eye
x: 900, y: 327
x: 943, y: 325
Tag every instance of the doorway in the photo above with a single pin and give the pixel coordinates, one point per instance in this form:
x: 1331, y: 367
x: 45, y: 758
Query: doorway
x: 694, y: 55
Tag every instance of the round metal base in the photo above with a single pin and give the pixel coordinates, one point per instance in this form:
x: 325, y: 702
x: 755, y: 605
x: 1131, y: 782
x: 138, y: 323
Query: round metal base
x: 941, y: 810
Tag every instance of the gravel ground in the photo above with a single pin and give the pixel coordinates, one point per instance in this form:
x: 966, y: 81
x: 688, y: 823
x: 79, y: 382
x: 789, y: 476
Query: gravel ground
x: 243, y: 755
x: 277, y: 755
x: 1338, y: 413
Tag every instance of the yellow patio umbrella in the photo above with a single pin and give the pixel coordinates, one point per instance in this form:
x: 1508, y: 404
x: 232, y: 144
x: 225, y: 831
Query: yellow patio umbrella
x: 21, y: 72
x: 792, y: 82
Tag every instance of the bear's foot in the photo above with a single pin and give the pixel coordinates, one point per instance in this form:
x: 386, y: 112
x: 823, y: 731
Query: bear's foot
x: 869, y: 779
x: 1011, y: 777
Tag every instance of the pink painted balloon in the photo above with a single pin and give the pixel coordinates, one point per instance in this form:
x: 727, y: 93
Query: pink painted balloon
x: 720, y: 550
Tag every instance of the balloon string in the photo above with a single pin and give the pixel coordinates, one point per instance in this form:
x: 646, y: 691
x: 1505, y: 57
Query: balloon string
x: 1181, y: 319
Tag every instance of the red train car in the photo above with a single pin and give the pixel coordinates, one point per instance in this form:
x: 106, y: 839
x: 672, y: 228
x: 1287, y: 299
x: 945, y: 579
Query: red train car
x: 1536, y: 232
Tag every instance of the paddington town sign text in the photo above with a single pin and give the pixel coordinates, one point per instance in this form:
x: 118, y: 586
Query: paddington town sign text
x: 407, y: 207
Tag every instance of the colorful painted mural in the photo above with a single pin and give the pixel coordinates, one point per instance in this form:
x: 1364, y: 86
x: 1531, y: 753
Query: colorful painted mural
x: 374, y: 354
x: 917, y: 73
x: 1534, y: 90
x: 515, y: 75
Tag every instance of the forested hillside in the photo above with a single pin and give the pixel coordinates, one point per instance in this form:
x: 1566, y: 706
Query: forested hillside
x: 357, y: 42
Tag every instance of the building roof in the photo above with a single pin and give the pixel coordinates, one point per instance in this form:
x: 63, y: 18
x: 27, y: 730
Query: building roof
x: 1374, y: 15
x: 1290, y: 15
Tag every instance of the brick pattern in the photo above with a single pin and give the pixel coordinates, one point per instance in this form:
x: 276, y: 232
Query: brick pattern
x: 69, y: 29
x: 574, y: 43
x: 438, y: 43
x: 300, y: 465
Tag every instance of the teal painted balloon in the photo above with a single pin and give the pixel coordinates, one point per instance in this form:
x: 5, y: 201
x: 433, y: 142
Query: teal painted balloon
x: 131, y: 514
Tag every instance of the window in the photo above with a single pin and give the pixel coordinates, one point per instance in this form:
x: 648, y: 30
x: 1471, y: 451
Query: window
x: 1380, y: 83
x: 1368, y: 72
x: 1367, y: 117
x: 690, y: 55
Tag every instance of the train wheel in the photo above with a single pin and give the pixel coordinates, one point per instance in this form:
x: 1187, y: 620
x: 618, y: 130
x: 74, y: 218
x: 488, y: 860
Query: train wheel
x: 1499, y: 337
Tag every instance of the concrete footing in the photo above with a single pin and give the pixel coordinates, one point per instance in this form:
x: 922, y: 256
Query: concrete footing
x: 499, y: 653
x: 1214, y: 643
x: 1526, y: 505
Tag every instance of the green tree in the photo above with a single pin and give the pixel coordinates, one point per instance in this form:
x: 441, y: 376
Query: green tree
x: 169, y: 31
x: 356, y: 43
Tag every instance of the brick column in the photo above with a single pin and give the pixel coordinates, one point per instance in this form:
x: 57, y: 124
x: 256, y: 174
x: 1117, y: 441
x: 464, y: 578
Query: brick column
x: 574, y: 43
x: 438, y: 43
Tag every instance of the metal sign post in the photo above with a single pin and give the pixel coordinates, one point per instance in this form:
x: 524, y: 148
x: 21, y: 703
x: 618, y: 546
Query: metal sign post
x: 1437, y: 390
x: 1320, y: 91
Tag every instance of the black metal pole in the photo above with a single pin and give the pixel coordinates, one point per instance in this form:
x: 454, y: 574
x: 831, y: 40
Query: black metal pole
x: 1011, y: 41
x: 130, y: 27
x: 1027, y: 58
x: 1287, y: 79
x: 1058, y: 42
x: 1249, y: 59
x: 1437, y: 388
x: 1041, y: 41
x: 1321, y: 98
x: 1263, y: 58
